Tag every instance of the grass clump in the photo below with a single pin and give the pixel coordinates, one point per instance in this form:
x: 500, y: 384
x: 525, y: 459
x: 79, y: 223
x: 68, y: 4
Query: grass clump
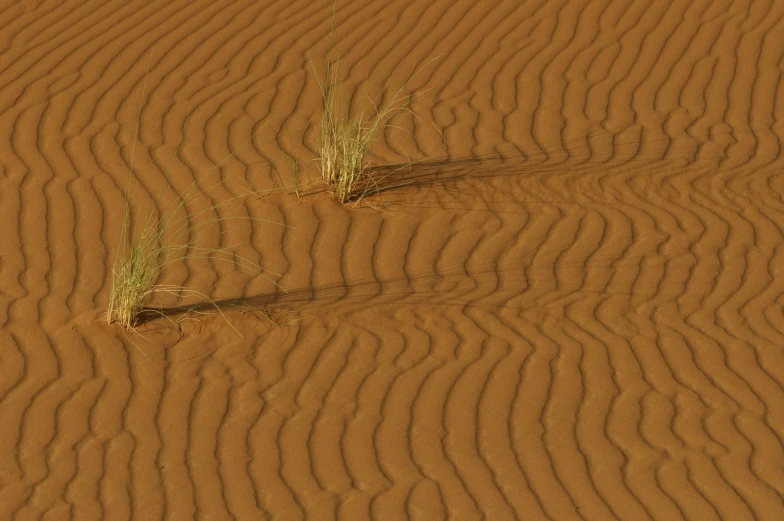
x: 135, y: 271
x: 162, y: 239
x: 144, y: 253
x: 146, y: 250
x: 344, y: 140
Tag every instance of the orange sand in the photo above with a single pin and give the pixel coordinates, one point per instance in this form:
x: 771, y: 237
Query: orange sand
x: 573, y: 311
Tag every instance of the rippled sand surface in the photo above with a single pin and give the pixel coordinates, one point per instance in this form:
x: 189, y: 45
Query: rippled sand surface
x: 570, y: 310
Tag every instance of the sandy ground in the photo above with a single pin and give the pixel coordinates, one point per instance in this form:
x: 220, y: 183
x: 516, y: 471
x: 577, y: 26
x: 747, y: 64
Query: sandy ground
x: 572, y: 311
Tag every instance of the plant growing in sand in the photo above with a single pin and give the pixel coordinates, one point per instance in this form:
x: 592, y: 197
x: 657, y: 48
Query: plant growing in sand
x: 162, y: 239
x: 344, y: 140
x: 146, y: 250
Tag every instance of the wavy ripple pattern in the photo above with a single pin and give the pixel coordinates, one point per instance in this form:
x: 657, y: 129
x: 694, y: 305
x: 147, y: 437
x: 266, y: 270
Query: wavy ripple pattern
x: 573, y: 311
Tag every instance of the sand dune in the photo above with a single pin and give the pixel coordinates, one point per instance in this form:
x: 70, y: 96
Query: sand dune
x: 571, y: 310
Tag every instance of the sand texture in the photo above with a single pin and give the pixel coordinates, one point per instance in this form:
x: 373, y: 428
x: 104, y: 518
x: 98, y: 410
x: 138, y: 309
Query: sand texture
x: 568, y: 307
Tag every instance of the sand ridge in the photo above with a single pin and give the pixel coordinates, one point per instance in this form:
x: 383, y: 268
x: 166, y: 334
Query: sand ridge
x: 572, y: 311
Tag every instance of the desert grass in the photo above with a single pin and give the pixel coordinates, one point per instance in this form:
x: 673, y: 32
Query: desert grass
x: 136, y: 269
x: 161, y: 239
x: 344, y: 140
x: 146, y: 250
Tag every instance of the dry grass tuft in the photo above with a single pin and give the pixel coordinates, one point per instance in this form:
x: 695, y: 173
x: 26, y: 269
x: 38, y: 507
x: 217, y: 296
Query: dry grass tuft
x: 163, y: 239
x: 144, y: 253
x: 344, y: 141
x: 135, y: 271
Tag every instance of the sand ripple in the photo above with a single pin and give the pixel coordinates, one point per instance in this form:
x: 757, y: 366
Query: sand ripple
x: 572, y: 311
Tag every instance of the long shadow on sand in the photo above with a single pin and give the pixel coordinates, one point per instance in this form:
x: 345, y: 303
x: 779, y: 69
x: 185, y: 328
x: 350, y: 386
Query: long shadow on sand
x: 356, y: 291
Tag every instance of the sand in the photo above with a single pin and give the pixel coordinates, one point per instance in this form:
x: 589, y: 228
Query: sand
x: 571, y: 311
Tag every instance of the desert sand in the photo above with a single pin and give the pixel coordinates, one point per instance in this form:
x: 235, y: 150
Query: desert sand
x: 569, y: 309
